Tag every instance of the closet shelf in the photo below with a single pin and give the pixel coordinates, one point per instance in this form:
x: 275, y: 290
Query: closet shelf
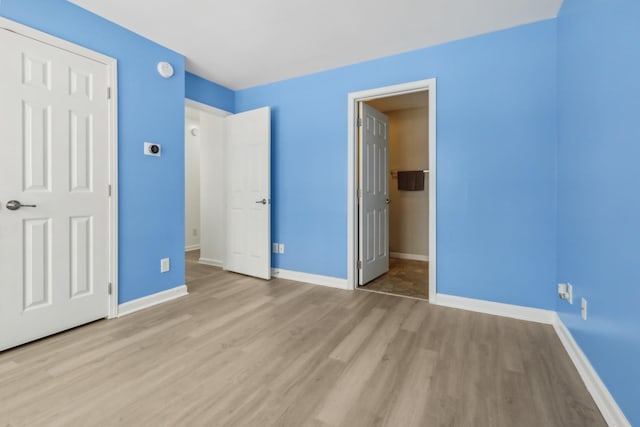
x: 394, y: 173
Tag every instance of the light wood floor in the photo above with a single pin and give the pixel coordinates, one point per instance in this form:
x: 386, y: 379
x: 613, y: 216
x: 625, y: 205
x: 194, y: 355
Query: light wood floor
x: 405, y: 277
x: 242, y: 352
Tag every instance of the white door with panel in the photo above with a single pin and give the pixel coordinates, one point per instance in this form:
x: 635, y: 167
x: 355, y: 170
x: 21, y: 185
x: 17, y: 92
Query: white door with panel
x: 374, y: 194
x: 248, y: 193
x: 54, y: 206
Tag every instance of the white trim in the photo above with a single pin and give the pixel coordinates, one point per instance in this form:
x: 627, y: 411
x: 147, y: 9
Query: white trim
x: 314, y: 279
x: 499, y: 309
x: 112, y: 138
x: 192, y: 248
x: 211, y: 262
x: 412, y: 257
x: 375, y: 291
x: 610, y: 410
x: 352, y: 178
x: 151, y: 300
x: 206, y: 108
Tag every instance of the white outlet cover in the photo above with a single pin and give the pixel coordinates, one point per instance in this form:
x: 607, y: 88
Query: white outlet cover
x: 165, y: 265
x: 583, y: 309
x: 274, y: 248
x: 281, y: 248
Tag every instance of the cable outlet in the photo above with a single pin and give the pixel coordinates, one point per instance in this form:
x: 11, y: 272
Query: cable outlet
x: 165, y: 265
x: 274, y: 248
x: 280, y: 248
x: 583, y: 308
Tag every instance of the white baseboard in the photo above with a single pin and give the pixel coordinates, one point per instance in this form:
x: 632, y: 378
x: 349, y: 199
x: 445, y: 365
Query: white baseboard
x: 151, y: 300
x: 191, y: 248
x: 610, y: 410
x: 211, y: 262
x: 413, y: 257
x: 489, y: 307
x: 315, y: 279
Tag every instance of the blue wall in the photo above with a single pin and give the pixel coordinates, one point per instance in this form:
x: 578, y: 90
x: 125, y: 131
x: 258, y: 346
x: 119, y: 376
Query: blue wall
x: 210, y: 93
x: 496, y: 162
x: 598, y: 197
x: 150, y: 108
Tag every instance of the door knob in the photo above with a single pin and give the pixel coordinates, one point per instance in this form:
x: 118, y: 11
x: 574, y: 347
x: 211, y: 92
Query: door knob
x: 14, y: 205
x: 263, y: 201
x: 388, y: 201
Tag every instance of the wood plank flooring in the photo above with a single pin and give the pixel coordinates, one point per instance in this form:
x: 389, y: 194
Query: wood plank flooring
x: 239, y: 351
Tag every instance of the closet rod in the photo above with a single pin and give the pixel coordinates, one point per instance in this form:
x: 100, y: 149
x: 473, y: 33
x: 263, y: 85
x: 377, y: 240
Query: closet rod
x: 394, y: 173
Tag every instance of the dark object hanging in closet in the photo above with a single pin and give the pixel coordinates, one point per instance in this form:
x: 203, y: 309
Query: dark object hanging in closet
x: 411, y: 180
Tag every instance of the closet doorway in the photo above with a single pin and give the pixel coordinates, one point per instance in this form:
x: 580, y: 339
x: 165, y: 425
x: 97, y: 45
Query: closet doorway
x: 393, y: 217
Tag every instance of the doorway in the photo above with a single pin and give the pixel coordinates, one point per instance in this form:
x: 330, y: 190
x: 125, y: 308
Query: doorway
x: 404, y: 167
x: 204, y: 187
x: 227, y: 189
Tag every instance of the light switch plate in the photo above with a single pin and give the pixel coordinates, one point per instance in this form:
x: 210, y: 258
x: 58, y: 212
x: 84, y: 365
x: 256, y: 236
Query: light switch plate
x: 165, y: 265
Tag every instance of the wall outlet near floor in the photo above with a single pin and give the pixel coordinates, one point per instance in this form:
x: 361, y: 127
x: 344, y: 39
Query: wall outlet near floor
x: 280, y: 248
x: 165, y: 265
x: 583, y: 308
x: 274, y: 248
x: 565, y: 292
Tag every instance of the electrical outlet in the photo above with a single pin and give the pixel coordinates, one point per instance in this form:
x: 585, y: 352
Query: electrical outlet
x: 583, y: 309
x: 562, y: 290
x: 565, y: 292
x: 280, y: 248
x: 165, y: 265
x: 195, y: 232
x: 274, y: 248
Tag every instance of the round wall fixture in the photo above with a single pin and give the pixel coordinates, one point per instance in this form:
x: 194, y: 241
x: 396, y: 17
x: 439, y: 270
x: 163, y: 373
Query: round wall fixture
x: 165, y: 69
x: 195, y: 131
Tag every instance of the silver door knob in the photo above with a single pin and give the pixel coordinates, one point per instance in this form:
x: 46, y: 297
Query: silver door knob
x: 14, y: 205
x: 263, y: 201
x: 388, y: 201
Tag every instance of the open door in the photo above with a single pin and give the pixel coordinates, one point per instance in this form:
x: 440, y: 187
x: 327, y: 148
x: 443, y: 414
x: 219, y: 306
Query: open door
x: 374, y: 194
x: 248, y: 193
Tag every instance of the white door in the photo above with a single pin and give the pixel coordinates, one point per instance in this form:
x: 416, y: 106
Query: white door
x: 374, y: 194
x: 53, y: 155
x: 248, y: 188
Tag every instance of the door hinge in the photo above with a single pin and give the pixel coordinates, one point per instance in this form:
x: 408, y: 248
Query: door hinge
x: 108, y: 93
x: 359, y: 122
x: 110, y: 288
x: 359, y: 264
x: 109, y: 190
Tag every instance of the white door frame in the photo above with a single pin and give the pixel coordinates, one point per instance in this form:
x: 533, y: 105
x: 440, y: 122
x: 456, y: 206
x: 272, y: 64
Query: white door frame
x: 112, y: 139
x: 352, y: 174
x: 205, y: 108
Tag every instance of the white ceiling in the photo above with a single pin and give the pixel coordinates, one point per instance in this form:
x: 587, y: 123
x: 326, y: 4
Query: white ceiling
x: 245, y: 43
